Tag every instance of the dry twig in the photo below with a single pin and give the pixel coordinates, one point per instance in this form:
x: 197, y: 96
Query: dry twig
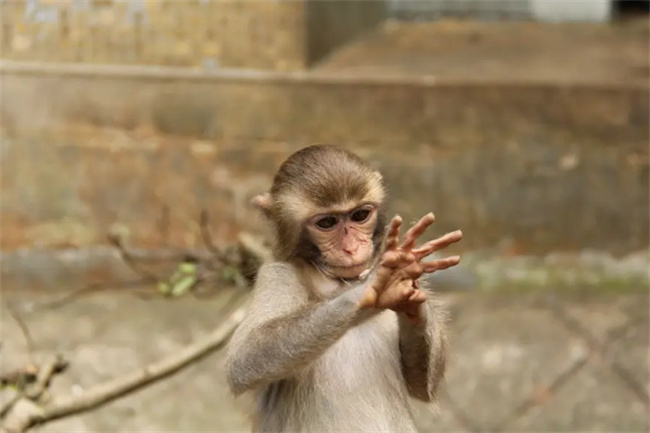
x: 25, y: 331
x: 251, y: 249
x: 23, y: 412
x: 128, y: 259
x: 26, y: 414
x: 45, y: 373
x: 91, y: 288
x: 204, y: 221
x: 254, y: 247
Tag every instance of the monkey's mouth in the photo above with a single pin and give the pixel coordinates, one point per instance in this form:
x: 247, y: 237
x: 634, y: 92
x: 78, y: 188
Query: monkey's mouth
x: 350, y: 266
x: 353, y: 266
x: 350, y: 271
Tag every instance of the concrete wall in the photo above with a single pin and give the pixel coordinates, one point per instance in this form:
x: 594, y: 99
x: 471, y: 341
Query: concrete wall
x: 546, y: 167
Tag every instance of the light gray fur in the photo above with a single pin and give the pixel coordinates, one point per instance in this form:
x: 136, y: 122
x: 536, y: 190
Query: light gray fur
x: 325, y: 366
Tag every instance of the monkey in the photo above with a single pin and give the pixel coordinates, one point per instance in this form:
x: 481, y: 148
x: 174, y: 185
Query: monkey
x: 340, y: 334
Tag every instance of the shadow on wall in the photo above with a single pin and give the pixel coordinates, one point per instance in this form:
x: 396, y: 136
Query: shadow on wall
x: 333, y: 23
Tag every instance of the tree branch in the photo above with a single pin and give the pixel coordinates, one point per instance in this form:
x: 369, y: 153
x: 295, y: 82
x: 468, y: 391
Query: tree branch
x: 24, y: 329
x: 91, y: 288
x: 128, y: 259
x: 22, y: 412
x: 204, y: 224
x: 254, y: 247
x: 25, y: 416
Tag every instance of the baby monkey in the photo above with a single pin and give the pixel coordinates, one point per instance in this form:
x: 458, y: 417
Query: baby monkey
x: 339, y: 333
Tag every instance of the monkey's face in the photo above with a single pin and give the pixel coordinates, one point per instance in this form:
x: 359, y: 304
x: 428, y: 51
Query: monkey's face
x: 345, y: 239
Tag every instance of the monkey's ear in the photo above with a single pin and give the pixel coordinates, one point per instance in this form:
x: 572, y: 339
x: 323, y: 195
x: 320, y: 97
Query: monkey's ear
x: 263, y: 202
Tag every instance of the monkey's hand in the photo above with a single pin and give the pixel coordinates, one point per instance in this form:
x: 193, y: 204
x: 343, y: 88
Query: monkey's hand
x: 395, y: 286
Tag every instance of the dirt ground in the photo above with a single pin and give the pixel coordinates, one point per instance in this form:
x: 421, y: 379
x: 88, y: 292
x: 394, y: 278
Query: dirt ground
x: 512, y: 52
x: 519, y: 363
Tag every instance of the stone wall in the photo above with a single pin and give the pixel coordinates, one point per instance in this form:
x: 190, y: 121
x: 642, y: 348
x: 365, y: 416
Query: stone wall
x: 544, y: 167
x: 261, y: 34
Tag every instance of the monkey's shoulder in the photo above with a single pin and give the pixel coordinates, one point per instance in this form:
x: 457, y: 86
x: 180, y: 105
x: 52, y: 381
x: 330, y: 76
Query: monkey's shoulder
x: 277, y: 266
x: 273, y: 272
x: 297, y: 275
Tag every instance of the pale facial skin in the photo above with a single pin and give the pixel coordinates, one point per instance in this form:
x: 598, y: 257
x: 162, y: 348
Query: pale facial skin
x: 345, y: 241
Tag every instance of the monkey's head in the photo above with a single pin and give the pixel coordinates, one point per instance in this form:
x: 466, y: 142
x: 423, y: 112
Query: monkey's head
x: 326, y: 205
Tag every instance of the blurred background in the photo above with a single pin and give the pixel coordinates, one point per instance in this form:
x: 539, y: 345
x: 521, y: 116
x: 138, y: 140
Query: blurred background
x: 135, y: 132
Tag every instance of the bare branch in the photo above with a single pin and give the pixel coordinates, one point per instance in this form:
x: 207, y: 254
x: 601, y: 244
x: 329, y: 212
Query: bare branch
x: 254, y: 248
x: 25, y: 330
x: 92, y: 288
x: 207, y: 237
x: 57, y: 365
x: 29, y: 416
x: 23, y: 411
x: 209, y: 290
x: 174, y: 254
x: 6, y: 407
x: 116, y: 241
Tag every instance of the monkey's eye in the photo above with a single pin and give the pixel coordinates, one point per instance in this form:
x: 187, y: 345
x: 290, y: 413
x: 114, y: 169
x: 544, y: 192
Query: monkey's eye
x: 327, y: 222
x: 360, y: 215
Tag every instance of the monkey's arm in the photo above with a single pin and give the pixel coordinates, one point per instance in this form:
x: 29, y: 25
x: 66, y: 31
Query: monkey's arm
x: 284, y: 332
x: 424, y: 350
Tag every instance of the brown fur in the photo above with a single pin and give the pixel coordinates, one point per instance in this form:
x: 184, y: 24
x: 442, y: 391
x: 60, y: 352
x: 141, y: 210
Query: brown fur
x: 309, y: 183
x: 314, y: 359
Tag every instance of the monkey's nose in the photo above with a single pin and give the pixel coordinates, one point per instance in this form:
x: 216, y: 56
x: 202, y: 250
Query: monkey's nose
x: 349, y: 244
x: 350, y: 247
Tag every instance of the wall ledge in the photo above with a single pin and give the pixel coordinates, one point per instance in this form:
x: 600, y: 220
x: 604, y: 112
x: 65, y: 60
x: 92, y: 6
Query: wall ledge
x: 314, y: 76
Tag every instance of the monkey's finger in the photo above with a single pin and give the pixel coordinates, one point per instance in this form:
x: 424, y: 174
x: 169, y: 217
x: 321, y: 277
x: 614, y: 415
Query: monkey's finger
x: 392, y: 259
x: 416, y: 231
x: 392, y: 238
x: 406, y: 259
x: 387, y: 271
x: 412, y: 271
x: 437, y: 244
x: 437, y: 265
x: 418, y: 296
x: 394, y: 296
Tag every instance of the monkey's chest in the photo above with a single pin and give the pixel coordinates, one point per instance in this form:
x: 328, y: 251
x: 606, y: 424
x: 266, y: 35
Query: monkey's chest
x: 366, y: 351
x: 356, y: 385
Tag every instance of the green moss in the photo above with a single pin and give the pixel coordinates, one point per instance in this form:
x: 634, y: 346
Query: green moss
x: 594, y: 272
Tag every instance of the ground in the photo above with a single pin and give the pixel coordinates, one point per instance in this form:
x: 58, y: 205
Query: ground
x: 526, y: 362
